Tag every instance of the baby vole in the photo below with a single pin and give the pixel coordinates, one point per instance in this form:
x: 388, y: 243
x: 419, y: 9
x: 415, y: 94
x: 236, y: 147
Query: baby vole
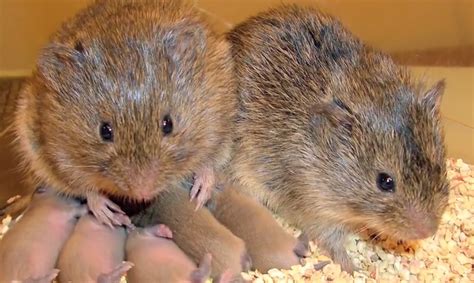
x: 332, y: 134
x: 197, y: 233
x: 30, y: 249
x: 128, y: 98
x: 158, y: 259
x: 93, y: 253
x: 269, y: 245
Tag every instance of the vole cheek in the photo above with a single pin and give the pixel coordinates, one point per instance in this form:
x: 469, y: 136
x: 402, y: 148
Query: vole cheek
x: 107, y: 184
x: 181, y: 155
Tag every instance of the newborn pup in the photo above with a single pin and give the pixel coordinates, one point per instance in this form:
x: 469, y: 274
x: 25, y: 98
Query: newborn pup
x: 332, y: 135
x: 269, y: 245
x: 197, y: 233
x: 93, y: 253
x: 131, y: 110
x: 30, y: 249
x: 158, y: 259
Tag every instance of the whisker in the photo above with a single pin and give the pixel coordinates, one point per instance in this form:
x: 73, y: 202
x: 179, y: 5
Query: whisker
x: 81, y: 166
x: 6, y: 130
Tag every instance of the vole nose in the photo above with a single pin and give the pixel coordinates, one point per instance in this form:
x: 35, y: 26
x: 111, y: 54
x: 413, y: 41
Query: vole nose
x: 143, y: 184
x: 144, y: 188
x: 424, y: 230
x: 424, y: 224
x: 144, y: 194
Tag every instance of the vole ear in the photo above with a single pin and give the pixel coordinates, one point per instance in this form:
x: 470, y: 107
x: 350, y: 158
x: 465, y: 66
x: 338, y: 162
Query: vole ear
x: 432, y: 98
x: 184, y: 43
x: 336, y: 112
x: 57, y: 62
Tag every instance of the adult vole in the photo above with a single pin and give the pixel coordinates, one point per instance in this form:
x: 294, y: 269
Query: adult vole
x: 332, y: 134
x: 127, y: 99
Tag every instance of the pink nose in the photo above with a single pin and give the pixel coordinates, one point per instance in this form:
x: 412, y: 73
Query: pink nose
x: 143, y: 182
x: 144, y: 195
x: 424, y: 224
x: 424, y: 230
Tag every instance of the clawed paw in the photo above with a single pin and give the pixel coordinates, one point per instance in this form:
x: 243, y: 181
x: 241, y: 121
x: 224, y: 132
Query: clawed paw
x: 163, y: 231
x: 116, y: 273
x: 107, y: 212
x: 47, y: 278
x: 204, y: 183
x: 302, y: 247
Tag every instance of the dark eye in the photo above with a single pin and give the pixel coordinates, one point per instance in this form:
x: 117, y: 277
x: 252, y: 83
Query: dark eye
x: 167, y: 125
x: 79, y: 47
x: 40, y: 190
x: 106, y: 132
x: 385, y: 183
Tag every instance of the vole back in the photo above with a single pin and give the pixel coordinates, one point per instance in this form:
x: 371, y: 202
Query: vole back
x: 332, y: 134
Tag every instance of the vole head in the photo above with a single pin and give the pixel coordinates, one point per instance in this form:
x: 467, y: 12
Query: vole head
x: 379, y: 138
x: 131, y: 109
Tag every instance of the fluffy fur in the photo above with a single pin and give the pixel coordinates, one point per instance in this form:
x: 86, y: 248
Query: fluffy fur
x: 127, y: 63
x: 321, y: 115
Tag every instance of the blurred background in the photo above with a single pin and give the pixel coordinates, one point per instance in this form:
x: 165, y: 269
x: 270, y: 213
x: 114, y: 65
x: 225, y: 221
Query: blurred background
x: 435, y: 38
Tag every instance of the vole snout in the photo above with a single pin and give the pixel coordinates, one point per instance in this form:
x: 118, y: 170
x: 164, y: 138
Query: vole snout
x: 423, y: 224
x: 142, y: 183
x: 144, y: 193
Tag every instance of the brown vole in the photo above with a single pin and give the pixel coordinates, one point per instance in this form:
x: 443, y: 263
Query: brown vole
x: 93, y: 253
x: 128, y: 98
x: 268, y: 244
x: 332, y: 135
x: 158, y: 259
x: 197, y: 232
x: 30, y: 249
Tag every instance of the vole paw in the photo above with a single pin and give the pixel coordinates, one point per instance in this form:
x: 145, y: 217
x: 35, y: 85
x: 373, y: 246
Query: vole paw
x: 117, y: 273
x: 204, y: 182
x: 302, y: 247
x: 107, y: 212
x: 123, y: 219
x: 203, y: 272
x: 44, y: 279
x: 228, y: 277
x: 163, y: 231
x: 345, y: 261
x: 246, y: 262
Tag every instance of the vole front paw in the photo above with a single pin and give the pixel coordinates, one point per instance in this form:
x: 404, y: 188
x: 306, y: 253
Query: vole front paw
x: 302, y: 247
x: 44, y: 279
x: 203, y: 272
x: 204, y: 182
x: 341, y: 257
x: 117, y: 273
x: 163, y: 231
x: 332, y: 241
x: 107, y: 212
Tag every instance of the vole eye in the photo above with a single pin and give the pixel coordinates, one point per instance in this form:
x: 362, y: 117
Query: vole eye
x: 106, y: 132
x: 167, y: 125
x: 79, y: 47
x: 385, y: 182
x: 40, y: 190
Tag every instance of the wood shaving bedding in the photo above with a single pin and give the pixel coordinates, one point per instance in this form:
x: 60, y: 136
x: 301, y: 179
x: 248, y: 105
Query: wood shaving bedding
x: 446, y: 257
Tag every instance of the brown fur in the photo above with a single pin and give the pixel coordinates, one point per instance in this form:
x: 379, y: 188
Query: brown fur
x: 269, y: 245
x: 197, y: 232
x: 128, y: 63
x: 92, y: 251
x: 321, y: 114
x: 159, y: 259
